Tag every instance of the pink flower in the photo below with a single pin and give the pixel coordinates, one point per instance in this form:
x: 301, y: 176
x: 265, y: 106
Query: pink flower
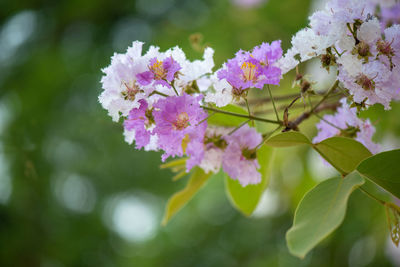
x: 346, y: 123
x: 240, y: 158
x: 139, y: 120
x: 177, y: 120
x: 161, y: 72
x: 253, y: 69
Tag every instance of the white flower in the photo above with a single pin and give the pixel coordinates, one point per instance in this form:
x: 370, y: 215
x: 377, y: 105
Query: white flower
x: 222, y: 94
x: 121, y: 91
x: 369, y: 31
x: 212, y: 160
x: 191, y: 70
x: 350, y: 63
x: 288, y: 62
x: 309, y: 44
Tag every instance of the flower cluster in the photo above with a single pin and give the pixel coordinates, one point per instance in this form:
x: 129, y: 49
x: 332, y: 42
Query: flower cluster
x: 246, y: 70
x: 346, y: 123
x: 166, y: 100
x: 159, y: 96
x: 365, y: 47
x: 366, y: 51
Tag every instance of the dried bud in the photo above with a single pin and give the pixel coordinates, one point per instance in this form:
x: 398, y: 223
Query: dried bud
x: 305, y: 85
x: 298, y: 77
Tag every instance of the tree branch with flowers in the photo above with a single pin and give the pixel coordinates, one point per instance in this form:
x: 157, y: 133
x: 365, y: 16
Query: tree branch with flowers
x: 209, y: 121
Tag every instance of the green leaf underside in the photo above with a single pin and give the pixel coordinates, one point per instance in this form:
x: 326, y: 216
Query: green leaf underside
x: 320, y: 212
x: 384, y: 170
x: 227, y: 120
x: 288, y: 139
x: 245, y: 199
x: 179, y: 199
x: 343, y: 153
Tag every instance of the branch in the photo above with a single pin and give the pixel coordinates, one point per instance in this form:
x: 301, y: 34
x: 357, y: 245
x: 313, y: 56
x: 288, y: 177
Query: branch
x: 251, y: 117
x: 293, y: 125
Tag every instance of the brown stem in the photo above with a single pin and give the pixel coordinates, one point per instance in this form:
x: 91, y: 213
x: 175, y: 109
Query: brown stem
x: 267, y: 100
x: 293, y: 125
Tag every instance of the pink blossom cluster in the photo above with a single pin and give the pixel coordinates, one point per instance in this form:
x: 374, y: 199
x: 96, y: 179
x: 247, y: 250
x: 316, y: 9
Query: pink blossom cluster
x: 162, y: 97
x: 159, y: 95
x: 345, y: 122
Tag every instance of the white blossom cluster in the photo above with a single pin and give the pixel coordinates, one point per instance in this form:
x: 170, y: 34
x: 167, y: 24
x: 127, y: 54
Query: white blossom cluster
x: 348, y: 33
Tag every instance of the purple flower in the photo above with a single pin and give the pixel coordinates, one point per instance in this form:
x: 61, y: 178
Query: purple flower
x: 240, y: 159
x: 177, y: 121
x: 390, y: 15
x: 161, y: 72
x: 139, y: 120
x: 267, y: 54
x: 254, y: 69
x: 346, y: 123
x: 372, y: 82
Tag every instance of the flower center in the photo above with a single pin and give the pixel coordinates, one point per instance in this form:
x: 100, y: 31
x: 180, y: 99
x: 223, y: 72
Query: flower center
x: 384, y: 48
x: 249, y: 154
x: 249, y: 71
x: 182, y: 121
x: 365, y: 82
x: 350, y: 132
x: 158, y: 70
x: 216, y: 140
x: 131, y: 90
x: 362, y: 50
x: 149, y: 116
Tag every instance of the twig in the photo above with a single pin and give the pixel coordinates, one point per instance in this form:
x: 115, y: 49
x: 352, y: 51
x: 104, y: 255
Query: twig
x: 251, y: 117
x: 334, y: 86
x: 273, y: 103
x: 293, y: 125
x: 238, y: 127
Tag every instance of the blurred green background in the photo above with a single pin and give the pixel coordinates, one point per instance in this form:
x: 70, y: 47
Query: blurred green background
x: 73, y: 193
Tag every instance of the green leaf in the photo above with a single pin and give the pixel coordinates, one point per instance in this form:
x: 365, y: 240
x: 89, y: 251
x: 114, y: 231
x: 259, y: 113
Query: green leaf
x: 320, y: 212
x: 384, y: 170
x: 227, y: 120
x: 245, y: 199
x: 342, y: 153
x: 179, y: 199
x: 287, y: 139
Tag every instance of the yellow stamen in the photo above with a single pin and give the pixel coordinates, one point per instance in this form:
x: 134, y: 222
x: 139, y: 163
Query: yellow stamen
x: 158, y: 70
x: 249, y: 71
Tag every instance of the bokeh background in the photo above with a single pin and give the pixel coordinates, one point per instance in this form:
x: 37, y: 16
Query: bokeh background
x: 73, y: 193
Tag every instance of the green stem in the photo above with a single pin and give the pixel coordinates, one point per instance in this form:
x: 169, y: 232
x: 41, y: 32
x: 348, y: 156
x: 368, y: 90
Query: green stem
x: 327, y: 122
x: 238, y: 127
x: 273, y: 103
x: 353, y: 32
x: 337, y: 52
x: 172, y: 85
x: 176, y: 92
x: 372, y: 196
x: 206, y: 118
x: 267, y: 135
x: 334, y: 86
x: 250, y: 117
x: 248, y: 109
x: 158, y: 93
